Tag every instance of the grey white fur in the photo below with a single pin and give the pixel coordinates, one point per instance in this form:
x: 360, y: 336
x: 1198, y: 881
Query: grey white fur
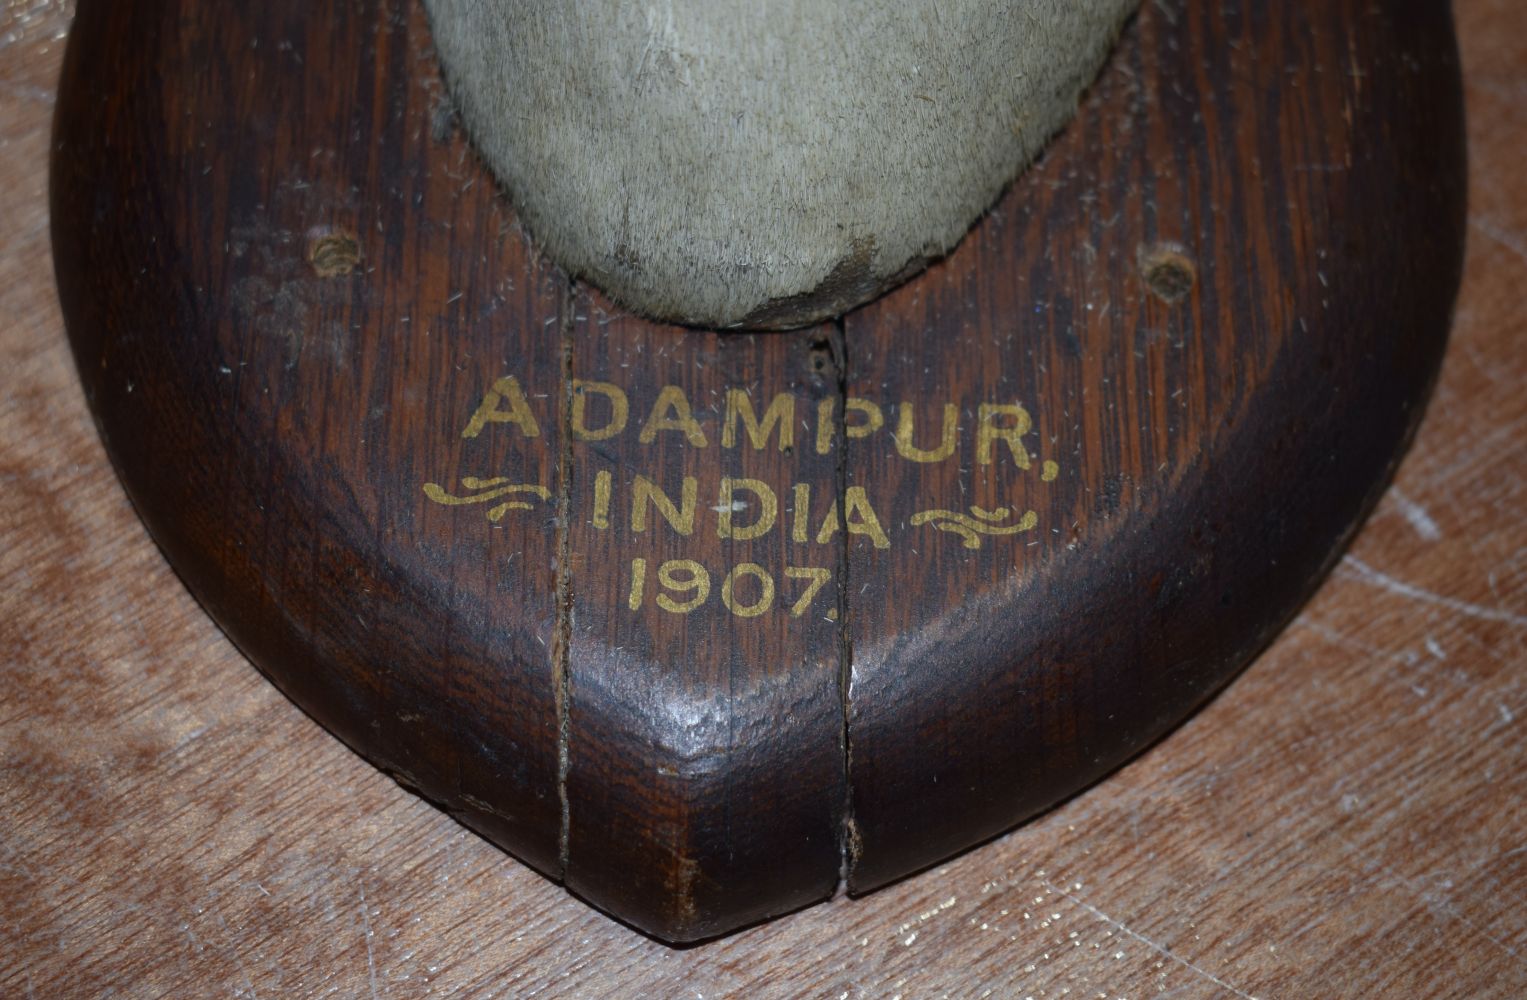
x: 767, y: 163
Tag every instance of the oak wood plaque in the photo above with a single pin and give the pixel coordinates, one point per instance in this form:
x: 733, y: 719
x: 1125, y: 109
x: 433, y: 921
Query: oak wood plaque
x: 705, y: 624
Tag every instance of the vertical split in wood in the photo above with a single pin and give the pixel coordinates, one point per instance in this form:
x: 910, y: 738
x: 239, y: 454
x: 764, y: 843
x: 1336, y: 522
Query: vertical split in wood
x: 561, y: 671
x: 846, y: 836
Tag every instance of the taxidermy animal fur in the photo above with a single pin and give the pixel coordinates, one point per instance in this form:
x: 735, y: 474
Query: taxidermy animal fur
x: 762, y: 163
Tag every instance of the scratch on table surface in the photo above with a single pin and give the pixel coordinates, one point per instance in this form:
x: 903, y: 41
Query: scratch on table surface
x: 366, y: 933
x: 27, y: 92
x: 1509, y: 240
x: 1487, y: 445
x: 1160, y: 949
x: 1417, y: 515
x: 164, y: 917
x: 1409, y: 660
x: 1384, y: 581
x: 1435, y: 901
x: 238, y: 959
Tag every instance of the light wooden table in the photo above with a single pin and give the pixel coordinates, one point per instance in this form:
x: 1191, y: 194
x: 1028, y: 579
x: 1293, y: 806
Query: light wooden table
x: 1348, y: 819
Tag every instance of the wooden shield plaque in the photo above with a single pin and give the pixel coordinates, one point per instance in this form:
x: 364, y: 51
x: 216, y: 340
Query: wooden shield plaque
x: 706, y: 625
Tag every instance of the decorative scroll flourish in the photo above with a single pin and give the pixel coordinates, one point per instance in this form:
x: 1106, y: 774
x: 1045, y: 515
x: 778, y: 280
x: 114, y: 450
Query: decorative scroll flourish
x: 491, y: 489
x: 979, y: 522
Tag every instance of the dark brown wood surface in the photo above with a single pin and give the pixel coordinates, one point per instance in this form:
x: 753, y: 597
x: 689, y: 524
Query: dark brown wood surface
x: 1214, y: 445
x: 1345, y: 820
x: 703, y: 624
x: 303, y: 392
x: 705, y: 786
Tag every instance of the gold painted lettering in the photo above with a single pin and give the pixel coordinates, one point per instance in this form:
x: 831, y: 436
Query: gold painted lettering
x: 829, y: 525
x: 620, y: 410
x: 859, y: 517
x: 903, y: 435
x: 696, y: 580
x: 602, y: 500
x: 801, y: 512
x: 727, y: 505
x: 638, y: 584
x: 874, y: 419
x: 818, y: 578
x: 781, y: 413
x: 671, y: 412
x: 765, y: 598
x: 825, y: 409
x: 505, y: 391
x: 989, y: 433
x: 681, y: 519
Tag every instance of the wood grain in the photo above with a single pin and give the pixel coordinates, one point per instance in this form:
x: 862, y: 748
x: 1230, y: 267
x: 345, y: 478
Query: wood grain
x: 1213, y: 446
x: 244, y: 337
x: 1344, y: 820
x: 369, y: 428
x: 705, y: 786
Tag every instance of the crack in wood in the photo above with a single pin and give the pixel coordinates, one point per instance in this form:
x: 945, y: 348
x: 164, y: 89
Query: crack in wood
x: 561, y: 670
x: 847, y: 835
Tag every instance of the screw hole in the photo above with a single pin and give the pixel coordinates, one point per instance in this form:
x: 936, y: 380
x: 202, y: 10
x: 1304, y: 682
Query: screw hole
x: 1168, y: 271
